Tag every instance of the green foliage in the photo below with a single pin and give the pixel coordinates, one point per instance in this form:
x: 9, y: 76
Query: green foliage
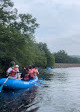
x: 17, y: 39
x: 7, y: 15
x: 62, y: 57
x: 49, y: 56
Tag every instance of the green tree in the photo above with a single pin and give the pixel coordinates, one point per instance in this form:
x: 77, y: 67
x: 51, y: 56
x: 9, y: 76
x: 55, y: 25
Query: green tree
x: 7, y: 15
x: 16, y: 37
x: 17, y: 41
x: 49, y: 56
x: 62, y: 57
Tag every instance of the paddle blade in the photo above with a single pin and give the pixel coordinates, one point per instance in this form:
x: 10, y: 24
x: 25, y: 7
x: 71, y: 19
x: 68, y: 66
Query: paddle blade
x: 1, y: 87
x: 37, y: 84
x: 41, y: 81
x: 42, y: 76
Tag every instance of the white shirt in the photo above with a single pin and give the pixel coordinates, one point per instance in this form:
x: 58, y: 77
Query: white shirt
x: 9, y: 70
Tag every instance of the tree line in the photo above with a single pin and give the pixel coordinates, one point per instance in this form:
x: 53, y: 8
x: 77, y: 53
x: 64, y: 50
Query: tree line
x: 62, y: 57
x: 17, y: 40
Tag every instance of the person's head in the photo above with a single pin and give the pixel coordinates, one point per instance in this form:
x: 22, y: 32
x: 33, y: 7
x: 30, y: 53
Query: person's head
x: 24, y: 68
x: 33, y: 66
x: 17, y: 66
x: 30, y: 67
x: 27, y: 67
x: 12, y: 63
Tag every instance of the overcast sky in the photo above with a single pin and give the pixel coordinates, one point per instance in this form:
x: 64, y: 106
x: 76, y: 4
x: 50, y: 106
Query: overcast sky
x: 59, y: 22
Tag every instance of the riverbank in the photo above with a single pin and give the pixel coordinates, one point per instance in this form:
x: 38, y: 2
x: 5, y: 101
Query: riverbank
x: 65, y: 65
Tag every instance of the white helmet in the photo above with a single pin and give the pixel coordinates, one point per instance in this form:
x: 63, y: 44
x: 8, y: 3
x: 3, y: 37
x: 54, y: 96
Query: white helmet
x: 17, y: 66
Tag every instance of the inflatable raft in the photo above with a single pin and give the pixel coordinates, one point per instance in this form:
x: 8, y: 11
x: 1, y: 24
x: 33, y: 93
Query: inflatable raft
x: 18, y: 84
x: 47, y: 68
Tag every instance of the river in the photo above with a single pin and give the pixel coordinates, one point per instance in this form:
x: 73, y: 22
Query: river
x: 59, y: 93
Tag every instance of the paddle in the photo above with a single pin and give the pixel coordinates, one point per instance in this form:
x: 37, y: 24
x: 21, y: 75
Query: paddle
x: 1, y: 87
x: 42, y: 76
x: 42, y: 81
x: 36, y: 84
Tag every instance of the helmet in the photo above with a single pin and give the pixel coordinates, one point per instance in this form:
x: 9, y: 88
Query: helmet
x: 17, y: 66
x: 12, y: 63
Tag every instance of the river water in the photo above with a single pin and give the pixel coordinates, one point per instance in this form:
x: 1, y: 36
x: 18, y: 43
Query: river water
x: 59, y: 93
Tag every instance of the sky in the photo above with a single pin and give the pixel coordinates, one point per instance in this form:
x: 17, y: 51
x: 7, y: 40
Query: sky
x: 59, y: 23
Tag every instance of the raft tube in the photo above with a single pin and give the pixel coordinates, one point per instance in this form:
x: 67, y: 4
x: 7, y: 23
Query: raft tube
x: 18, y: 84
x: 47, y: 68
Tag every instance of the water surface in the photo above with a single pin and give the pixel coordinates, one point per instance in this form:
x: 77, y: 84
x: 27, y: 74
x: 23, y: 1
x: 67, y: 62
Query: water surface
x: 60, y: 93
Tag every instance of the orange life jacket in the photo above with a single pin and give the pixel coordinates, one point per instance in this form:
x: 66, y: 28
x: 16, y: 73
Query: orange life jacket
x: 31, y: 72
x: 35, y: 71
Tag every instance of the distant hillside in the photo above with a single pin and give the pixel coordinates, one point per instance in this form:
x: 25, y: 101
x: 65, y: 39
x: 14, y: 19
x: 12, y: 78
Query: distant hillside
x: 75, y: 56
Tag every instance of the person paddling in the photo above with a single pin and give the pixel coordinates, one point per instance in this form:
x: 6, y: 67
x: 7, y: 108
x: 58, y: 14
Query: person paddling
x: 35, y: 70
x: 31, y: 72
x: 12, y: 71
x: 18, y: 72
x: 26, y: 76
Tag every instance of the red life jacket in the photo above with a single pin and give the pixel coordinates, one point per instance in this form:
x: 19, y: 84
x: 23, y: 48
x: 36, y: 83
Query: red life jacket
x: 13, y: 72
x: 26, y: 77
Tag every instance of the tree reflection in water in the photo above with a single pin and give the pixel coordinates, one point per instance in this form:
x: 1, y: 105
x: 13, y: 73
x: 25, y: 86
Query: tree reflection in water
x: 18, y: 101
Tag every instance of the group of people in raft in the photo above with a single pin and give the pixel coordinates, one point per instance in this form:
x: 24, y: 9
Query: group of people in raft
x: 28, y: 73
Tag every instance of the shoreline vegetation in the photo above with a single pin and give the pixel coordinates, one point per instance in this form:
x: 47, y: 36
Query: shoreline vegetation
x: 65, y: 65
x: 18, y: 42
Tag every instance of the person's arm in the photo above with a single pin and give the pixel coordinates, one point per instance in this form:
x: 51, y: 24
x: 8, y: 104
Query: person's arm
x: 37, y: 71
x: 8, y: 71
x: 18, y: 72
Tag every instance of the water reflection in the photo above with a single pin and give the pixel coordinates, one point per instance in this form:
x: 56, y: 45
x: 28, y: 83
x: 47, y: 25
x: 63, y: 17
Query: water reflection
x: 56, y: 74
x: 16, y: 101
x: 63, y: 92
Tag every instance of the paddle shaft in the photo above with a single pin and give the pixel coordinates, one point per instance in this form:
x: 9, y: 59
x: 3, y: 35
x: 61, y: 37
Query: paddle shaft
x: 5, y: 81
x: 3, y: 85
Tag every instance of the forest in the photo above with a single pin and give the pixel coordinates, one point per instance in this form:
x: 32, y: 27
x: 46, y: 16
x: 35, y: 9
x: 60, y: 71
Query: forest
x: 62, y: 57
x: 18, y: 43
x: 17, y: 40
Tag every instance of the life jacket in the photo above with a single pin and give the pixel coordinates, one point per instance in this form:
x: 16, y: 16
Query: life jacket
x: 13, y: 72
x: 31, y: 72
x: 26, y: 77
x: 35, y: 71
